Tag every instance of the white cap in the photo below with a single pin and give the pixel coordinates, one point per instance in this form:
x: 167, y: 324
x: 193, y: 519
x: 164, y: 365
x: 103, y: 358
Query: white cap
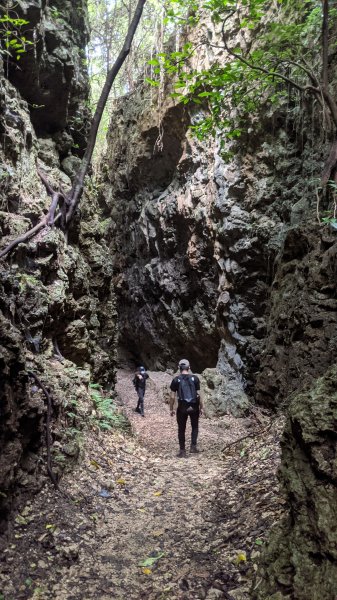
x: 184, y: 364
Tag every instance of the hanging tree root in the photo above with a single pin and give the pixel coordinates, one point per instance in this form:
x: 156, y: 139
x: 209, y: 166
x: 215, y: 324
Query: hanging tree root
x: 47, y: 221
x: 57, y: 351
x: 48, y: 434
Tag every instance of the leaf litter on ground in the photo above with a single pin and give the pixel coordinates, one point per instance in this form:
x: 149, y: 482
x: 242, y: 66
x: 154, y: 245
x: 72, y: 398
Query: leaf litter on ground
x: 217, y: 506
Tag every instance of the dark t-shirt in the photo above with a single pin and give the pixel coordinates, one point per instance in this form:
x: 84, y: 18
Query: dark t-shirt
x: 175, y: 382
x: 140, y: 383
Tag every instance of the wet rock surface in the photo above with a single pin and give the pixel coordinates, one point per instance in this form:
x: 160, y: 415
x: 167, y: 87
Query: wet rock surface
x: 137, y: 522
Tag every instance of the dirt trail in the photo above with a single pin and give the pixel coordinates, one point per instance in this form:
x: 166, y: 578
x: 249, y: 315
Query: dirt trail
x: 198, y: 522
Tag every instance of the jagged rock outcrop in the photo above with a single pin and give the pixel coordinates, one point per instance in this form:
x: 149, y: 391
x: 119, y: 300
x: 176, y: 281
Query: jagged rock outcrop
x: 301, y: 336
x: 51, y: 75
x: 208, y: 250
x: 222, y: 396
x: 56, y: 299
x: 300, y: 560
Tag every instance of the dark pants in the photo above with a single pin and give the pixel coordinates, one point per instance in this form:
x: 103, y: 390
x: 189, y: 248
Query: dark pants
x: 140, y: 403
x: 182, y: 420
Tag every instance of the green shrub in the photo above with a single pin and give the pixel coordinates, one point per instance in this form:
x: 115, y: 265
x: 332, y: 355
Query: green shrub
x: 108, y: 415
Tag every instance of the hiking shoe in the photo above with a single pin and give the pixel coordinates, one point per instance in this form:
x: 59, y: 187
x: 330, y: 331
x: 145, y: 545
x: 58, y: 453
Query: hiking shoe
x: 137, y: 409
x: 194, y: 450
x: 182, y: 453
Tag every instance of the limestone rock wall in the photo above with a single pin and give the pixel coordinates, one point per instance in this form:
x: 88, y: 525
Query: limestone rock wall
x: 222, y: 261
x: 51, y: 75
x: 299, y: 562
x: 57, y: 310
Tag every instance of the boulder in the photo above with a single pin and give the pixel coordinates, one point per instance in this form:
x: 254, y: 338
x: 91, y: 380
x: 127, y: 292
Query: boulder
x: 223, y: 395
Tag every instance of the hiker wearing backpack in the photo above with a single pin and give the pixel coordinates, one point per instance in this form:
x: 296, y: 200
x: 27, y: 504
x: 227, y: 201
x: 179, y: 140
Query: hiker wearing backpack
x: 186, y: 387
x: 139, y: 382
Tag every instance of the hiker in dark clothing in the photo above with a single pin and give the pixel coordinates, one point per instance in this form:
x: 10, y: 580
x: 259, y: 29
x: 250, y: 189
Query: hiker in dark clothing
x: 139, y: 381
x: 187, y: 387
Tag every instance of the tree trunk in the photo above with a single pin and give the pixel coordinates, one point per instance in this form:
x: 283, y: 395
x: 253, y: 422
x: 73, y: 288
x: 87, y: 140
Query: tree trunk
x: 77, y: 187
x: 325, y: 45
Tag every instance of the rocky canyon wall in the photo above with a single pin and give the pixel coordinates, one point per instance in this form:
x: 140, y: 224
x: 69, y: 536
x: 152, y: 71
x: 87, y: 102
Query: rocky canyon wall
x: 54, y: 294
x: 225, y: 262
x: 300, y: 559
x: 221, y: 261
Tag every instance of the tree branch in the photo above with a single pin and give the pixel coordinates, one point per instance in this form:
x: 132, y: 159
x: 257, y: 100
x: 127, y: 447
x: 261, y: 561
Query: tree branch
x: 330, y: 163
x: 45, y: 182
x: 53, y: 207
x: 77, y: 188
x: 262, y: 69
x: 325, y: 45
x: 24, y: 237
x: 30, y: 233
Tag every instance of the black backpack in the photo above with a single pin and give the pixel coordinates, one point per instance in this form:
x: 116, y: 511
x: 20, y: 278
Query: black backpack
x: 188, y: 400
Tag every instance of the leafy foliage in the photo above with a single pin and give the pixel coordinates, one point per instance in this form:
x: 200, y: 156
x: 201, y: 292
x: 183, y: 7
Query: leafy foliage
x: 13, y: 43
x: 108, y: 416
x: 282, y: 52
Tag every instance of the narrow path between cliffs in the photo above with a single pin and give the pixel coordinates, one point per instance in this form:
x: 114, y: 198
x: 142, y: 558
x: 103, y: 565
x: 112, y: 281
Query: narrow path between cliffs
x: 143, y: 524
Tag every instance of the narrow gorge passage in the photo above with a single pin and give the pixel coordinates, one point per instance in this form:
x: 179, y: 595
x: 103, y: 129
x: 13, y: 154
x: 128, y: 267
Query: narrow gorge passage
x: 199, y: 521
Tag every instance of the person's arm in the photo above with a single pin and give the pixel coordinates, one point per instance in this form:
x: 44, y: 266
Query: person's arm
x: 201, y: 406
x: 172, y: 401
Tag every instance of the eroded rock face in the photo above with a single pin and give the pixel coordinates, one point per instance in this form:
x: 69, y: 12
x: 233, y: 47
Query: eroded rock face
x: 57, y: 315
x: 301, y: 336
x: 300, y: 560
x: 155, y: 241
x: 51, y: 75
x: 220, y: 261
x: 223, y: 261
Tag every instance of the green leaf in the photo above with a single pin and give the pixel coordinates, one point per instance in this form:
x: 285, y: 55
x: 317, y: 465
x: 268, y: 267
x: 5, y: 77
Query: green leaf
x: 151, y: 560
x: 152, y: 82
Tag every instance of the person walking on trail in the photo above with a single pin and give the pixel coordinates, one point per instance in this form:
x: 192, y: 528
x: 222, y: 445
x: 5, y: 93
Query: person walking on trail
x: 139, y: 381
x: 186, y: 386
